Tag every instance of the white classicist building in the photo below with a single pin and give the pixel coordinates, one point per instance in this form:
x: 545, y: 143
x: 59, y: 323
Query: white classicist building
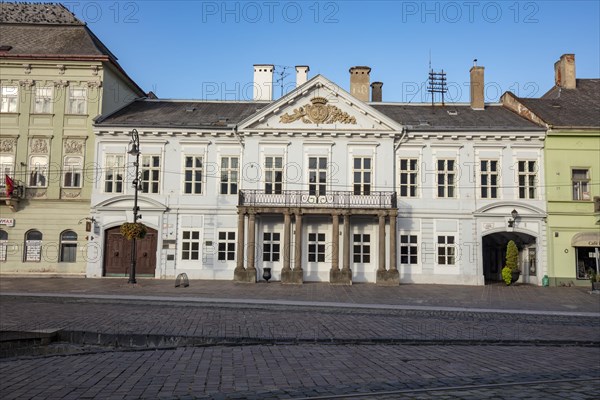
x: 321, y: 185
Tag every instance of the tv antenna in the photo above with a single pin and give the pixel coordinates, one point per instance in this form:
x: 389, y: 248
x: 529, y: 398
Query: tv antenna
x: 437, y: 84
x: 281, y: 72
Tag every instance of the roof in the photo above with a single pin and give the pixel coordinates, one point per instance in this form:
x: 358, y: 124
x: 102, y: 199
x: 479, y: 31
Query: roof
x: 454, y: 117
x: 181, y: 114
x: 579, y: 107
x: 215, y: 114
x: 37, y: 13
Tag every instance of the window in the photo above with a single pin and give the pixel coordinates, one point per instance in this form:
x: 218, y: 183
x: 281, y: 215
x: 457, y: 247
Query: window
x: 190, y: 246
x: 76, y: 103
x: 362, y: 175
x: 226, y: 246
x: 271, y: 247
x: 316, y: 247
x: 581, y: 180
x: 586, y: 261
x: 114, y: 171
x: 527, y: 179
x: 3, y: 244
x: 43, y: 100
x: 72, y: 171
x: 317, y: 175
x: 193, y: 175
x: 408, y: 177
x: 150, y: 174
x: 68, y: 246
x: 33, y: 246
x: 489, y: 179
x: 229, y: 175
x: 8, y: 101
x: 7, y: 162
x: 38, y: 171
x: 273, y: 175
x: 446, y: 176
x: 362, y: 248
x: 408, y: 249
x: 446, y: 250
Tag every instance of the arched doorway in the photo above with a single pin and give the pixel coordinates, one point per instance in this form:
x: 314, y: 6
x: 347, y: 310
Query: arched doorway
x: 117, y: 259
x: 494, y: 254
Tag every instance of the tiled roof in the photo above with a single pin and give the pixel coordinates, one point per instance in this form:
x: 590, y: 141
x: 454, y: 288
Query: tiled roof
x: 181, y: 114
x: 37, y: 13
x: 578, y: 107
x: 462, y: 117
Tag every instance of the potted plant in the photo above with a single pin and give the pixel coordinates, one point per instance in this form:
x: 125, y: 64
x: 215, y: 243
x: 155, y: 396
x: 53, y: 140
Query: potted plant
x: 511, y: 272
x: 133, y: 230
x: 595, y: 279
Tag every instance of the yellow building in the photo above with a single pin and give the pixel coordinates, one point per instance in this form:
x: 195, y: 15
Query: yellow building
x: 56, y: 76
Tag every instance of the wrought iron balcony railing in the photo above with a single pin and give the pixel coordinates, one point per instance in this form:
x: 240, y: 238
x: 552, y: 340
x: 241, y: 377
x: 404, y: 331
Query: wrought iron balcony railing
x: 304, y: 198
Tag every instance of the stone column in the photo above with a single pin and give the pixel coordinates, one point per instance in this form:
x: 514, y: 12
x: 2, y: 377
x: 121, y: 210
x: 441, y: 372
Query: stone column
x: 286, y: 241
x: 335, y: 235
x: 240, y: 241
x: 251, y: 242
x: 393, y: 253
x: 298, y: 243
x: 381, y: 242
x: 346, y: 244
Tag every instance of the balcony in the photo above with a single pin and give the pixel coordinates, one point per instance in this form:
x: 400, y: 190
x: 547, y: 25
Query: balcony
x: 13, y: 200
x: 304, y: 198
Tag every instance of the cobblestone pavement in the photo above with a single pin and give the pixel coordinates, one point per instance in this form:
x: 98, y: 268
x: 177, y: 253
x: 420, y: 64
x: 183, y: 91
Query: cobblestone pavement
x: 302, y: 342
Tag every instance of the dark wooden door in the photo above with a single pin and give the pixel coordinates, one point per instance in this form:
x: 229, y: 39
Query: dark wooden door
x: 117, y: 259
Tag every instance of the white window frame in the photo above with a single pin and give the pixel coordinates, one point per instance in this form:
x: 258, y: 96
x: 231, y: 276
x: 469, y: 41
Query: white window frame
x: 7, y: 167
x: 43, y: 101
x: 412, y: 248
x: 412, y: 177
x: 271, y: 246
x: 228, y: 239
x: 273, y: 174
x: 581, y: 186
x: 77, y: 101
x: 73, y: 165
x: 317, y: 186
x: 194, y: 245
x: 67, y: 242
x: 117, y: 170
x: 489, y: 175
x: 229, y: 176
x: 150, y: 180
x: 361, y: 248
x: 3, y: 244
x: 32, y: 247
x: 194, y: 179
x: 529, y: 188
x: 360, y: 186
x: 446, y: 249
x: 40, y: 169
x: 316, y: 247
x: 9, y: 99
x: 449, y: 189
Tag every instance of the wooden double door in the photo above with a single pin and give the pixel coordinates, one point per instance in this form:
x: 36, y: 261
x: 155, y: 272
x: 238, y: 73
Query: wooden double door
x: 117, y: 255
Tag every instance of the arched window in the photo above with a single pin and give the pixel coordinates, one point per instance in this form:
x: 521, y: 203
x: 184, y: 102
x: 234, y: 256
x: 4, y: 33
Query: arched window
x: 68, y: 246
x: 3, y: 244
x: 33, y: 246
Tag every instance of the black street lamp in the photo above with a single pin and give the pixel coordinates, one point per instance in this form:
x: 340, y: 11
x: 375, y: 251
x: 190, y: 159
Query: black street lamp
x: 135, y: 151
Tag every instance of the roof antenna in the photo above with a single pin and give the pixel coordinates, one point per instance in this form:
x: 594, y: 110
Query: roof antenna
x: 282, y: 75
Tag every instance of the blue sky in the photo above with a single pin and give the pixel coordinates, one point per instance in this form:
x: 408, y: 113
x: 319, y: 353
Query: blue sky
x: 206, y: 49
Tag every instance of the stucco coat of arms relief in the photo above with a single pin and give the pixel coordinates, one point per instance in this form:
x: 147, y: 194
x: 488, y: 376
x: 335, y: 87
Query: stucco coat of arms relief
x: 319, y: 112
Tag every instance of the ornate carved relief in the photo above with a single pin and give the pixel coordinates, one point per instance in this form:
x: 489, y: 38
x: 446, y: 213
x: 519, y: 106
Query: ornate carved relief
x: 36, y: 193
x: 38, y: 146
x: 94, y: 84
x: 61, y: 69
x: 27, y: 68
x: 318, y: 113
x: 73, y: 146
x: 70, y: 193
x: 7, y: 145
x: 94, y: 70
x: 61, y: 84
x: 27, y: 84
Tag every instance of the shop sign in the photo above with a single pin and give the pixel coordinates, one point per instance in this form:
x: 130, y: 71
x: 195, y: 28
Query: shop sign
x: 7, y: 221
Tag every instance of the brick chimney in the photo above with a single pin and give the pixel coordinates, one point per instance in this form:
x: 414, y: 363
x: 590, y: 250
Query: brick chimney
x: 564, y: 72
x: 477, y: 87
x: 376, y: 94
x: 359, y: 82
x: 263, y: 82
x: 301, y: 74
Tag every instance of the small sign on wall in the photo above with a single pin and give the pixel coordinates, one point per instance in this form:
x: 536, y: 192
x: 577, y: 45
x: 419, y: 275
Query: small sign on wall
x: 7, y: 221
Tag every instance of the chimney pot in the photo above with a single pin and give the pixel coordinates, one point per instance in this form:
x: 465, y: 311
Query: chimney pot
x: 263, y: 82
x: 359, y: 82
x: 376, y: 92
x: 301, y: 74
x: 564, y: 72
x: 477, y: 88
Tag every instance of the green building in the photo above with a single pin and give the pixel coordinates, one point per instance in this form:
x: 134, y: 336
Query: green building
x: 570, y: 111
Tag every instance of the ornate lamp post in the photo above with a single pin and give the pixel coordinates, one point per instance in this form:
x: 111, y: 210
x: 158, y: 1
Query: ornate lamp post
x: 135, y: 151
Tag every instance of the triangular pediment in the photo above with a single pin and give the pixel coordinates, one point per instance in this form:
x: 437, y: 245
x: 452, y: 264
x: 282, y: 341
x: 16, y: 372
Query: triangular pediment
x: 318, y: 105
